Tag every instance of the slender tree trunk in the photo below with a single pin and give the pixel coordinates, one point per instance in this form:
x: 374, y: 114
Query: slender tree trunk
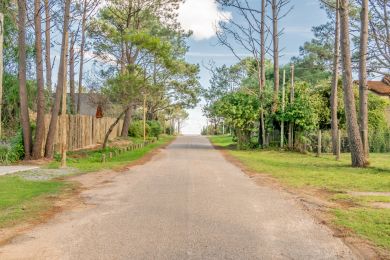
x: 363, y: 89
x: 292, y: 99
x: 112, y: 127
x: 40, y: 127
x: 127, y: 122
x: 71, y: 75
x: 122, y: 62
x: 355, y: 141
x: 82, y: 48
x: 48, y: 47
x: 283, y: 109
x: 144, y: 117
x: 63, y: 125
x: 275, y: 36
x: 262, y: 75
x: 127, y: 118
x: 49, y: 148
x: 335, y: 79
x: 1, y: 68
x: 24, y: 116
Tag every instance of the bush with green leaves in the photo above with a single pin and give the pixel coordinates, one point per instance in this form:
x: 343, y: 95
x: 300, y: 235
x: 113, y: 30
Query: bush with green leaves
x: 136, y: 129
x: 240, y: 110
x: 14, y: 151
x: 155, y: 128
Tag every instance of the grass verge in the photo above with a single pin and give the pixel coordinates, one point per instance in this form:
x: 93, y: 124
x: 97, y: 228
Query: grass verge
x: 337, y: 177
x: 22, y: 200
x: 91, y: 161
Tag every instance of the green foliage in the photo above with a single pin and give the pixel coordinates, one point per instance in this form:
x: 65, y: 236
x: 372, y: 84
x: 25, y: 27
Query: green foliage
x: 241, y: 111
x: 136, y: 129
x: 154, y: 64
x: 11, y: 108
x: 379, y: 140
x: 376, y: 116
x: 155, y: 128
x: 305, y: 111
x: 14, y: 151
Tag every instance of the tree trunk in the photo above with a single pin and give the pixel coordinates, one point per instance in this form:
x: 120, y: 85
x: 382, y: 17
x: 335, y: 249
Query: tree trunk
x: 112, y: 128
x: 292, y: 98
x: 48, y: 47
x: 283, y: 109
x: 24, y: 116
x: 1, y: 68
x: 40, y: 127
x: 334, y: 91
x: 262, y: 75
x: 363, y: 89
x: 275, y: 36
x: 71, y: 76
x: 127, y: 122
x: 82, y: 48
x: 63, y: 125
x: 49, y: 148
x: 355, y: 141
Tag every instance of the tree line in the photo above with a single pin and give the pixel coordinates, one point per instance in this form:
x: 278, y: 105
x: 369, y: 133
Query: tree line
x: 129, y: 55
x: 316, y: 89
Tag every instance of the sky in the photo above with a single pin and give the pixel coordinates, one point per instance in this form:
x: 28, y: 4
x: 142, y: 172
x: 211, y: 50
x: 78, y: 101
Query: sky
x: 202, y: 17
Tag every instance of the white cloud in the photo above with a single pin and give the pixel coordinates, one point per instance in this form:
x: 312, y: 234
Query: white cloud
x: 202, y: 18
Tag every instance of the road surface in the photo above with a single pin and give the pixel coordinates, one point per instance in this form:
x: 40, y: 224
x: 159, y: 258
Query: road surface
x: 188, y: 202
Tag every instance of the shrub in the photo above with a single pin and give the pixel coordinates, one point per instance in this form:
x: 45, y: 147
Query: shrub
x: 155, y: 129
x: 14, y: 151
x: 136, y: 129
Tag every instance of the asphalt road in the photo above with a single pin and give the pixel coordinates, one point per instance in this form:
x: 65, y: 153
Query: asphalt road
x: 188, y: 202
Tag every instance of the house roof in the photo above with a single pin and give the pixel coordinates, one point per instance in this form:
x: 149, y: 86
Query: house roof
x: 380, y: 87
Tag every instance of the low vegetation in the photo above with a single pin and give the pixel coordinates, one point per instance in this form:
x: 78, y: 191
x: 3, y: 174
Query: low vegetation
x: 23, y: 199
x: 91, y: 161
x: 343, y: 184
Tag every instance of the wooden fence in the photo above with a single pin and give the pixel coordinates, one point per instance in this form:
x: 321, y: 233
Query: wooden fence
x: 83, y: 131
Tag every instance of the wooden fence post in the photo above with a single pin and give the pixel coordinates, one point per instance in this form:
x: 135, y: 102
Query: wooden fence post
x: 292, y: 97
x: 283, y: 108
x: 338, y: 152
x: 319, y: 146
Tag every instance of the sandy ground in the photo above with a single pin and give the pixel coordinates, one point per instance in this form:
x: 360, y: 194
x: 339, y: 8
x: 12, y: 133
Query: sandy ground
x: 4, y: 170
x: 188, y: 202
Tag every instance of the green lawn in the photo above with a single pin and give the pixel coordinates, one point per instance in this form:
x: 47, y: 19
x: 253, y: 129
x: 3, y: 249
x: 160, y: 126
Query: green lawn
x: 21, y: 199
x: 91, y: 161
x: 325, y: 173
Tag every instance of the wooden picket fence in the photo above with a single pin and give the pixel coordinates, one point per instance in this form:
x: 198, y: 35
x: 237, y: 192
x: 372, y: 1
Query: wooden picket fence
x: 83, y: 131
